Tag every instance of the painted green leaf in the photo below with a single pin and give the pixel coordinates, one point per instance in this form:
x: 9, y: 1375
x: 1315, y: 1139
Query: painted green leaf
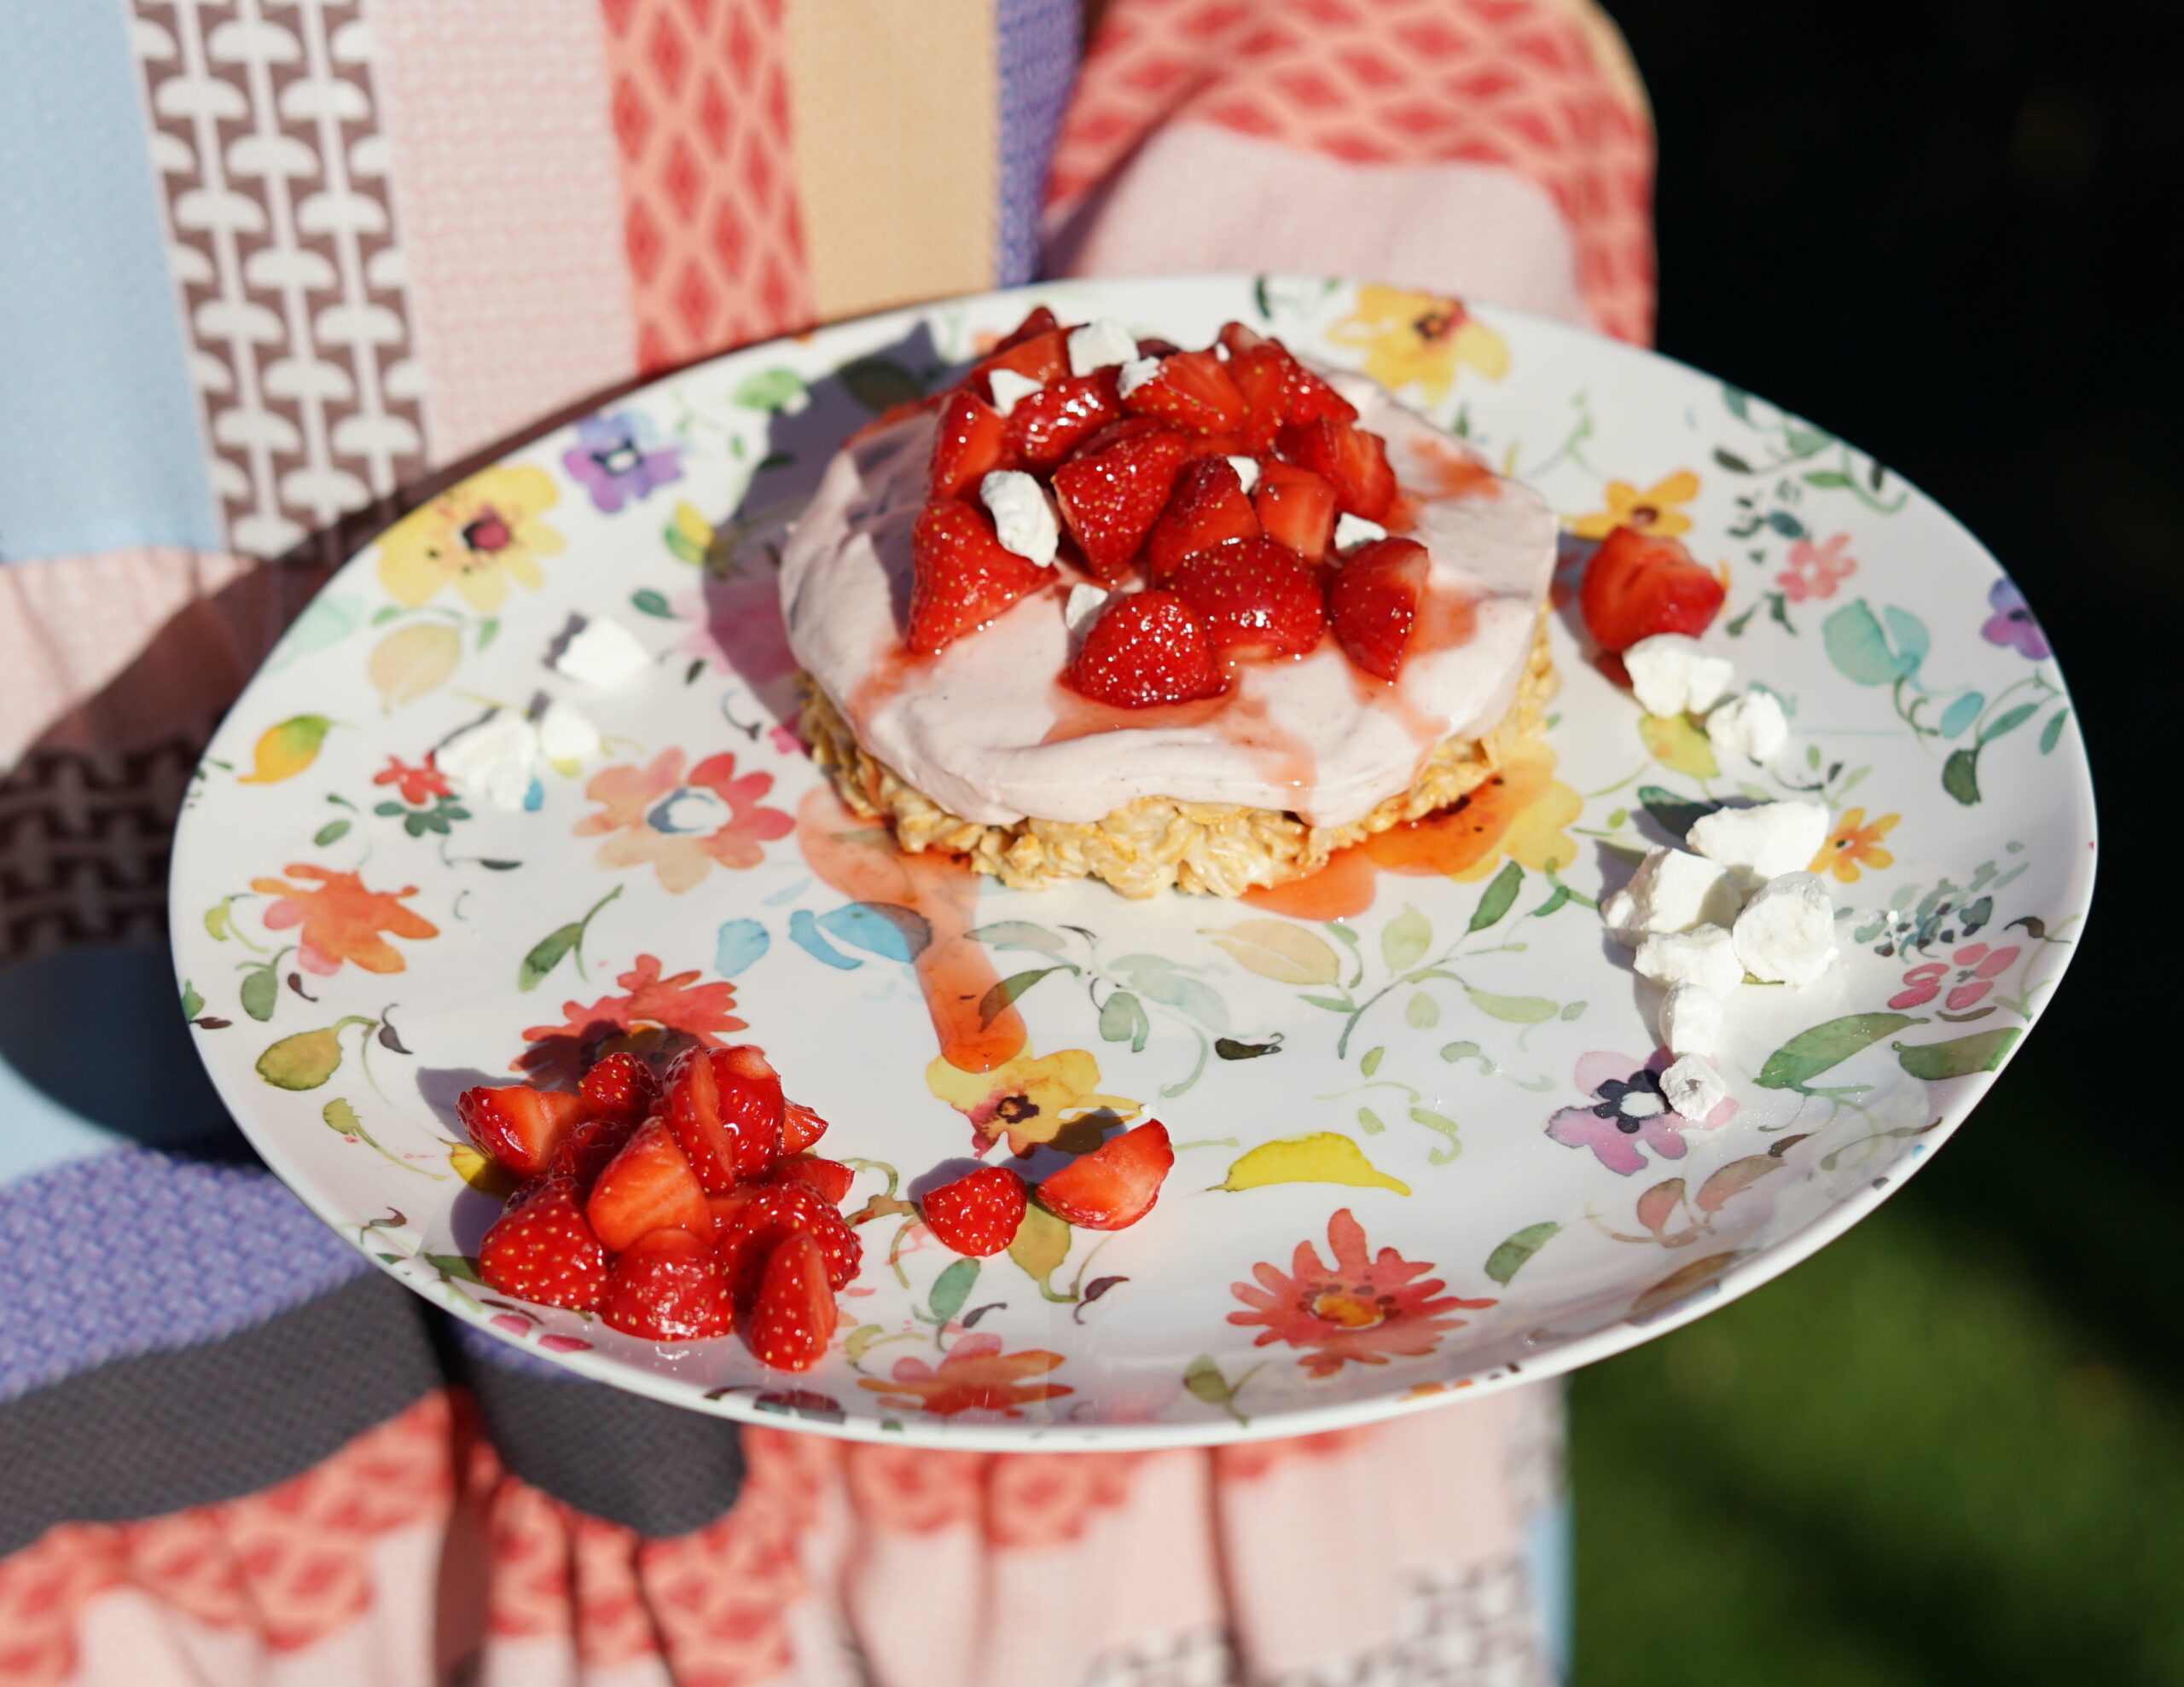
x: 1786, y: 523
x: 1680, y: 1285
x: 768, y: 389
x: 339, y: 1116
x: 1156, y: 978
x: 1009, y: 988
x: 1828, y: 479
x: 2008, y: 722
x: 1370, y: 1122
x: 647, y: 602
x: 1229, y: 1049
x: 1122, y: 1020
x: 304, y: 1061
x: 1513, y: 1010
x: 1812, y: 1051
x: 1861, y: 650
x: 218, y: 923
x: 1678, y: 814
x: 1733, y: 1179
x: 331, y: 832
x: 1404, y: 940
x: 1040, y: 1245
x: 1017, y: 934
x: 1333, y: 1004
x: 1276, y: 949
x: 1961, y: 714
x: 192, y: 1003
x: 261, y: 990
x: 1676, y: 744
x: 952, y: 1288
x: 879, y: 385
x: 1370, y: 1062
x: 454, y: 1265
x: 1961, y: 775
x: 1508, y: 1259
x: 1444, y: 1126
x: 1574, y: 1010
x: 1731, y: 461
x: 2051, y: 733
x: 1203, y: 1377
x: 547, y: 954
x: 1738, y: 402
x: 858, y: 1340
x: 1499, y: 895
x: 1421, y: 1013
x: 1982, y: 1051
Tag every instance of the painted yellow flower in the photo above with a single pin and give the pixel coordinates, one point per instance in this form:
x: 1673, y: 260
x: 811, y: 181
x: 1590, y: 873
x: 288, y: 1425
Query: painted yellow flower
x: 1031, y: 1101
x: 1657, y: 509
x: 476, y: 536
x: 1854, y: 844
x: 1419, y: 340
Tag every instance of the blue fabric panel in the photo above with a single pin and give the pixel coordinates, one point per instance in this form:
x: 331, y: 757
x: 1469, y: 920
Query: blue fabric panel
x: 99, y: 446
x: 1035, y: 52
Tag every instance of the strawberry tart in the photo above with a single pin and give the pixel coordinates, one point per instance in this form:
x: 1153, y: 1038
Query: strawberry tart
x: 1110, y: 608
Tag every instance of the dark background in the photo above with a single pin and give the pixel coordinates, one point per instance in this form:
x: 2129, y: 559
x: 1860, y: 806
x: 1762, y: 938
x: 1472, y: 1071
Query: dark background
x: 1949, y: 1448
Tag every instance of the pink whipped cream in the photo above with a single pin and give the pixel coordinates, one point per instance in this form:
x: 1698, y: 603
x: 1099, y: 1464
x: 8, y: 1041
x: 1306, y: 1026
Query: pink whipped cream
x: 988, y: 731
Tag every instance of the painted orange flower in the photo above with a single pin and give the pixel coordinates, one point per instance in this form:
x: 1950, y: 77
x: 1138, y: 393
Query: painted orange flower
x: 1369, y: 1309
x: 976, y: 1376
x: 419, y: 784
x: 1658, y: 510
x: 341, y: 920
x: 682, y: 826
x: 653, y: 1015
x: 1854, y: 845
x: 1419, y: 339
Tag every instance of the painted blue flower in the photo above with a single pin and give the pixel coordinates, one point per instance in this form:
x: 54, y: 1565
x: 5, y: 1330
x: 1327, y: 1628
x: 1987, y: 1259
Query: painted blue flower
x: 2012, y: 624
x: 619, y: 459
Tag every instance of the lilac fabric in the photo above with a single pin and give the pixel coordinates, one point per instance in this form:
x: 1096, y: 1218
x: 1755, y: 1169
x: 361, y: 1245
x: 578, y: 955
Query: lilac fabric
x: 1036, y: 44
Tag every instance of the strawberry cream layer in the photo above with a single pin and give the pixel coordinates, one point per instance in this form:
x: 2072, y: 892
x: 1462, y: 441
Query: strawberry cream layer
x: 986, y: 728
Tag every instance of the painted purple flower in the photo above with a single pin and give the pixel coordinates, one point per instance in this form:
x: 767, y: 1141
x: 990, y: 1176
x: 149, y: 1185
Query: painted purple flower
x: 1628, y: 1109
x: 2012, y: 622
x: 618, y: 458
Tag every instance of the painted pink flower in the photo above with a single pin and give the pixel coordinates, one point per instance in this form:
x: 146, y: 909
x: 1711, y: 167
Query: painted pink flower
x: 1816, y: 571
x: 1976, y: 967
x: 1627, y: 1110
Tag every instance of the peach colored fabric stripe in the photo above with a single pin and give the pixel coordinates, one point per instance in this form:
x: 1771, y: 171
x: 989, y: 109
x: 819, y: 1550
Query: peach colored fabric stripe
x: 506, y: 208
x: 894, y: 112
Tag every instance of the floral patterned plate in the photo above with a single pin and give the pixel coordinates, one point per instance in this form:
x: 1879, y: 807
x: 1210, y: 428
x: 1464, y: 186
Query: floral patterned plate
x: 1421, y: 1147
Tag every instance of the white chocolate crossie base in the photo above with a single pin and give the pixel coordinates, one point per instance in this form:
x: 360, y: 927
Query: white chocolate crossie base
x: 981, y: 752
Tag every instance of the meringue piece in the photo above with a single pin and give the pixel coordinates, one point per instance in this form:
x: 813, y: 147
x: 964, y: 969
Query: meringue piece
x: 1706, y: 957
x: 1751, y: 724
x: 1786, y: 933
x: 1136, y: 372
x: 1247, y: 471
x: 1008, y: 388
x: 1691, y: 1018
x: 1099, y: 346
x: 1756, y: 844
x: 493, y: 760
x: 604, y: 655
x: 1673, y: 674
x: 565, y: 735
x: 1354, y: 529
x: 1671, y: 891
x: 1693, y: 1087
x: 1084, y: 605
x: 1022, y: 520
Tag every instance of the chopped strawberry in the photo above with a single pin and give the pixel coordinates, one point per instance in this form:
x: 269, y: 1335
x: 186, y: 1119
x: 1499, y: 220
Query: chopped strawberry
x: 1046, y: 425
x: 800, y: 1127
x: 1637, y: 585
x: 1239, y: 340
x: 964, y: 575
x: 1261, y: 373
x: 977, y: 1214
x: 666, y: 1287
x: 1296, y: 508
x: 1312, y: 398
x: 1374, y: 602
x: 1305, y: 396
x: 1146, y: 648
x: 647, y: 1186
x: 1114, y: 488
x: 729, y: 1207
x: 1115, y: 1184
x: 1040, y: 320
x: 971, y: 441
x: 1194, y: 391
x: 1158, y: 348
x: 725, y: 1107
x: 779, y: 1210
x: 540, y: 1248
x: 1257, y: 599
x: 793, y: 1319
x: 518, y: 1126
x: 1352, y: 460
x: 620, y: 1087
x: 831, y: 1178
x: 1042, y: 357
x: 589, y: 1148
x: 1207, y: 507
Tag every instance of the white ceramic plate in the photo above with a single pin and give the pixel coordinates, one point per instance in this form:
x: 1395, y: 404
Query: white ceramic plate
x: 1478, y: 1184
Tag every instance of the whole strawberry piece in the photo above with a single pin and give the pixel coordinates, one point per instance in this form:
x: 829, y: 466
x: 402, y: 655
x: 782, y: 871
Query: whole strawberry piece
x: 800, y: 1127
x: 1194, y: 391
x: 1256, y: 597
x: 780, y: 1210
x: 647, y: 1186
x: 1146, y: 649
x: 541, y: 1249
x: 1637, y: 586
x: 793, y: 1317
x: 963, y: 576
x: 1207, y: 508
x: 977, y: 1214
x: 1046, y: 425
x: 620, y: 1087
x: 970, y: 441
x: 1372, y: 603
x: 1352, y: 460
x: 666, y: 1287
x: 1114, y: 1185
x: 1114, y: 488
x: 831, y: 1178
x: 518, y: 1126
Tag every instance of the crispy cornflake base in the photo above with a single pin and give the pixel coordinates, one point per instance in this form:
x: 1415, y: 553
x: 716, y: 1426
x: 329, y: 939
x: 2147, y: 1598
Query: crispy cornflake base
x: 1142, y: 847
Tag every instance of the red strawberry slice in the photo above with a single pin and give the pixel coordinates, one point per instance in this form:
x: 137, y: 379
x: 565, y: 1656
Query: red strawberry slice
x: 1256, y: 597
x: 620, y: 1087
x: 971, y: 440
x: 779, y: 1210
x: 1296, y: 508
x: 964, y: 576
x: 1207, y: 508
x: 1115, y: 1184
x: 1194, y: 391
x: 1046, y: 425
x: 977, y: 1214
x: 666, y: 1287
x: 540, y: 1248
x: 647, y: 1186
x: 831, y: 1178
x: 1637, y: 585
x: 1312, y: 398
x: 725, y: 1107
x: 1239, y: 338
x: 1146, y: 648
x: 589, y: 1148
x: 518, y: 1126
x: 1042, y: 357
x: 1040, y: 320
x: 1261, y: 373
x: 729, y: 1207
x: 793, y: 1319
x: 800, y: 1127
x: 1306, y: 396
x: 1352, y: 460
x: 1114, y: 488
x: 1373, y: 601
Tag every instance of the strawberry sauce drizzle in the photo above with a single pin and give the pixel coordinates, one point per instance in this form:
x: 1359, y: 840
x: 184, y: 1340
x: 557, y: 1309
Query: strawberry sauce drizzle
x: 858, y: 858
x: 1238, y: 716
